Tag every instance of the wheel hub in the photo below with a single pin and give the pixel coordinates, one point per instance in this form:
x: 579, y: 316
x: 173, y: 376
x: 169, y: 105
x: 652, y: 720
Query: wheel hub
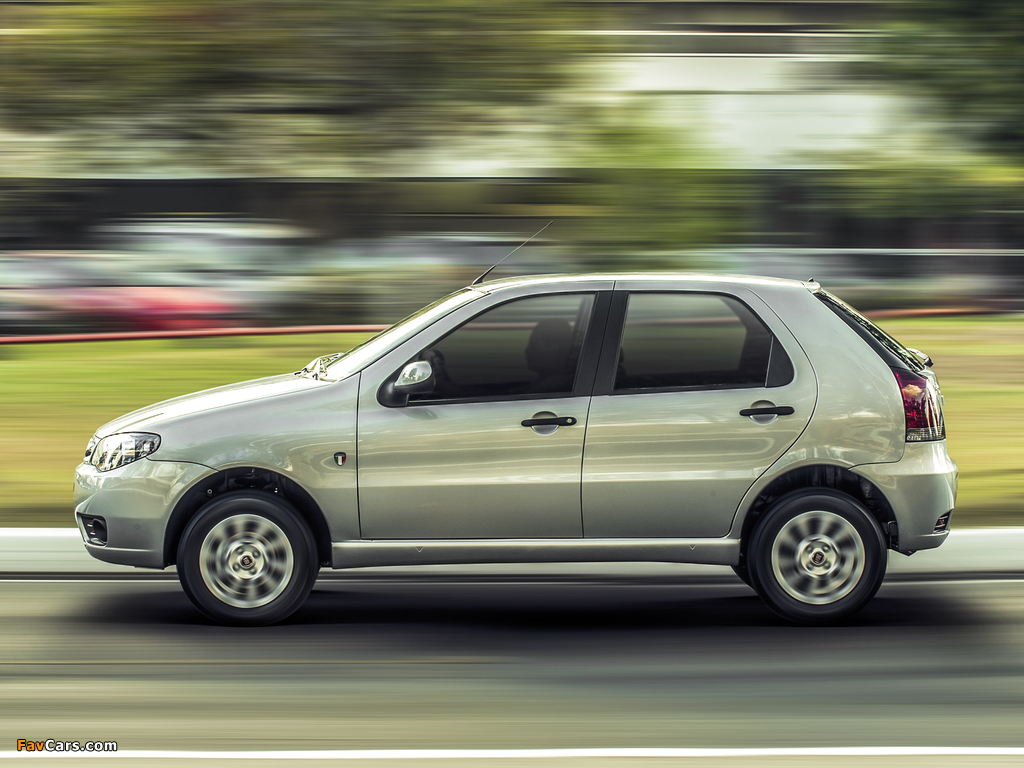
x: 246, y: 561
x: 818, y: 554
x: 818, y: 557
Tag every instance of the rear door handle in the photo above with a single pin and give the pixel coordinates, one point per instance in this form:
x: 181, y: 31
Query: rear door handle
x: 554, y: 421
x: 774, y: 410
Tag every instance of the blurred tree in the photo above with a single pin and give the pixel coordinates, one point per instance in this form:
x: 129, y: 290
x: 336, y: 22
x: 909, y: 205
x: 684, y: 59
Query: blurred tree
x: 650, y: 189
x: 235, y: 84
x: 931, y: 177
x: 342, y: 88
x: 968, y: 57
x: 957, y: 148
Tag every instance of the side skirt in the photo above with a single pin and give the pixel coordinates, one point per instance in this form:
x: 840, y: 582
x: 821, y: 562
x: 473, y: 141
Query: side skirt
x: 359, y: 554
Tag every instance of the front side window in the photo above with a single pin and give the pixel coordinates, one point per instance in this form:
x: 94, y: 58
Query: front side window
x: 525, y: 347
x: 698, y: 340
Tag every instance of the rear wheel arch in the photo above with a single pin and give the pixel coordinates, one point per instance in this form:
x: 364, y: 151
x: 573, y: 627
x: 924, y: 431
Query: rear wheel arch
x: 818, y: 476
x: 254, y: 479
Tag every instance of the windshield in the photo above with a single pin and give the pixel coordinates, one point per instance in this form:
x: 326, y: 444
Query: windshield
x: 370, y: 350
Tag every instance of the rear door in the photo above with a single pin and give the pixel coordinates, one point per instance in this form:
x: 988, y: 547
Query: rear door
x: 680, y: 424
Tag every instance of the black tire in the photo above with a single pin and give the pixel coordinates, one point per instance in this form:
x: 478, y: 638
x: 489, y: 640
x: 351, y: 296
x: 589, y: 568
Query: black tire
x: 816, y: 556
x: 247, y: 559
x: 741, y: 571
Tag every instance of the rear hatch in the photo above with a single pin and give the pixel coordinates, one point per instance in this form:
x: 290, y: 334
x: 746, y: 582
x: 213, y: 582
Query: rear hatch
x: 918, y: 384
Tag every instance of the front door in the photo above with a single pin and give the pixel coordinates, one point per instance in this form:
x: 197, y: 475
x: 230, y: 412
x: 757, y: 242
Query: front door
x: 679, y: 427
x: 459, y: 463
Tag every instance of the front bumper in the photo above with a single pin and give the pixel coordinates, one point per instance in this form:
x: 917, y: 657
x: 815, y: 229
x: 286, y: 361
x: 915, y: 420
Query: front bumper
x: 920, y: 487
x: 136, y: 501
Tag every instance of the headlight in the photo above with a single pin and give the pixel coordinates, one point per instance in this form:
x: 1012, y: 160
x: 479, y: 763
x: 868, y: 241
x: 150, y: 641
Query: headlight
x: 117, y: 450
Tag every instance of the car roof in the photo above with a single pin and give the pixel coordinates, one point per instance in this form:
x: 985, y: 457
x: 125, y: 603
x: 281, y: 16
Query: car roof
x: 669, y: 278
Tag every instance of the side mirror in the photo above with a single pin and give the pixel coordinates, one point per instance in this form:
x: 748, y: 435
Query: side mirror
x: 416, y: 379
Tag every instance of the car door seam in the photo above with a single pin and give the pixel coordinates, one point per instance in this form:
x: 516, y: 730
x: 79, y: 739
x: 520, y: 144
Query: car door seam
x: 583, y: 454
x: 355, y: 468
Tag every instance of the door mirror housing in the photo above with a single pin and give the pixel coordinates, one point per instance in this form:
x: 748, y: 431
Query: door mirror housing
x: 415, y: 379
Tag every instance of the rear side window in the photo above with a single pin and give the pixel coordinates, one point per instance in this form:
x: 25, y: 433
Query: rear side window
x: 695, y: 340
x: 891, y: 351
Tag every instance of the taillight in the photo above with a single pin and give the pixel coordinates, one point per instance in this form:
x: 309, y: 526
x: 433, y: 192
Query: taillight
x: 921, y: 407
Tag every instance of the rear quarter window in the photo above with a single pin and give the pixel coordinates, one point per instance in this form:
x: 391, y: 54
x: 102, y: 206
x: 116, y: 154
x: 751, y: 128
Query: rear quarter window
x: 885, y: 346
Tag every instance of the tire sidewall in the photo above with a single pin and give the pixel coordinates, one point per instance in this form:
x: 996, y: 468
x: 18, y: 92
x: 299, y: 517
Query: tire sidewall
x: 278, y: 511
x: 767, y: 529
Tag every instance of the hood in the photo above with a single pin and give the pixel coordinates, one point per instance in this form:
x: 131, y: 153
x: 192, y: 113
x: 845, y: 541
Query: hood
x: 145, y: 418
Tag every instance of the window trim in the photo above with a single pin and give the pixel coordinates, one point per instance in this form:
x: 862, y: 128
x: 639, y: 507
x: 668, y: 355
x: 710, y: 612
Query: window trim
x: 608, y: 365
x: 586, y: 368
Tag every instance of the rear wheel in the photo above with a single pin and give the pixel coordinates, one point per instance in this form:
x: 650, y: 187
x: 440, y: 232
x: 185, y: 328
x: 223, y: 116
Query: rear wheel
x: 247, y: 559
x: 816, y: 556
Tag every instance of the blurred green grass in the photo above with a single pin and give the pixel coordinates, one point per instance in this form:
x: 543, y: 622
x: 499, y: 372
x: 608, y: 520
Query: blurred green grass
x: 980, y: 364
x: 54, y: 396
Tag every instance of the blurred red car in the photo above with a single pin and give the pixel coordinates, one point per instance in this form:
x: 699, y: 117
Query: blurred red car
x: 44, y: 293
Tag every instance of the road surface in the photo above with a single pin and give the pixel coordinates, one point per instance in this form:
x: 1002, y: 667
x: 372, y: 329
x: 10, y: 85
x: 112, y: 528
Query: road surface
x: 417, y: 662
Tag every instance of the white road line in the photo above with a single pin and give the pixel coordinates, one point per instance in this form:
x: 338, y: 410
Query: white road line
x: 545, y: 754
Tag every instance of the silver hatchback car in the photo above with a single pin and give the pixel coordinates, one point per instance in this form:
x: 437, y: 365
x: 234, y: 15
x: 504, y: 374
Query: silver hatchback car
x: 756, y: 423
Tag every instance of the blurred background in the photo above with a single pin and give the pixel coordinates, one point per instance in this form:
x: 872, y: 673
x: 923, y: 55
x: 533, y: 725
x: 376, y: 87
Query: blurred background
x: 169, y: 165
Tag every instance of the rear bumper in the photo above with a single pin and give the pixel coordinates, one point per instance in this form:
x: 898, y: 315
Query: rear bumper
x: 136, y: 501
x: 920, y: 487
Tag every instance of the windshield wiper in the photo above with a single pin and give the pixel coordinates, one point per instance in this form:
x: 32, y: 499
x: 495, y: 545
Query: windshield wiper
x: 317, y: 367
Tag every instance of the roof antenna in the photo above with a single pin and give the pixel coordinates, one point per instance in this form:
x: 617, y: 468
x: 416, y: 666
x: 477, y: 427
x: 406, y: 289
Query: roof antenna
x: 485, y: 274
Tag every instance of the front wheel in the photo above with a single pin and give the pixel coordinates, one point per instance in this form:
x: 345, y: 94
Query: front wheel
x: 816, y: 556
x: 247, y: 559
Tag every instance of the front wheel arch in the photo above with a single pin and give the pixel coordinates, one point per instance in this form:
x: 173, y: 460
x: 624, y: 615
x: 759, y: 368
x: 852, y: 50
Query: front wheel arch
x: 246, y: 478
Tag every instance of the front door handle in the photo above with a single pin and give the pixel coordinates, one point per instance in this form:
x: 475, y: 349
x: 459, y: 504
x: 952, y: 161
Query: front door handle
x: 774, y: 410
x: 554, y: 421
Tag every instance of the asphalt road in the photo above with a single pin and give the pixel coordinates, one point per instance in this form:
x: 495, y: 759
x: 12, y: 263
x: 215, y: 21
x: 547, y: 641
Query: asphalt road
x: 411, y: 664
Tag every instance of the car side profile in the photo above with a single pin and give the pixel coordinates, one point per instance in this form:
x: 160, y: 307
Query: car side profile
x: 756, y: 423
